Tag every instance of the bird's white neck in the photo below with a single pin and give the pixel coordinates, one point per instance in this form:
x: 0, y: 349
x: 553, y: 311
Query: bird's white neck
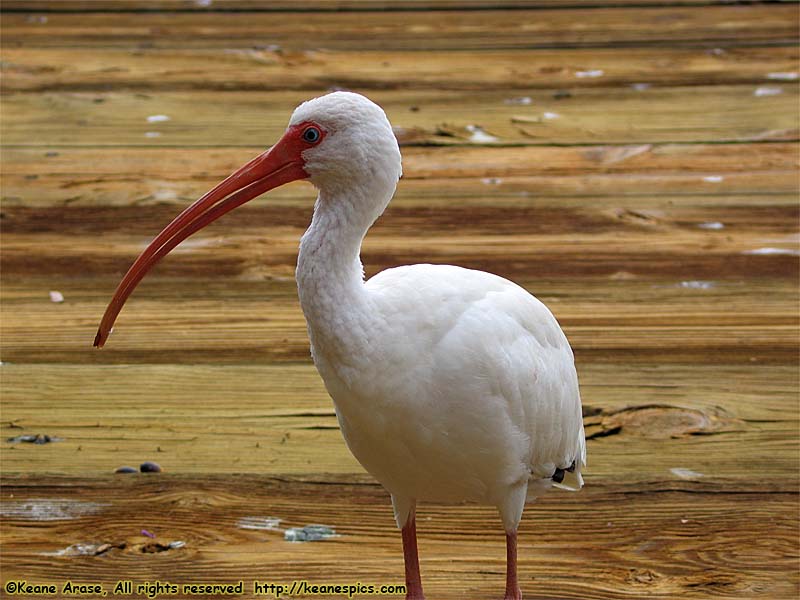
x: 330, y: 277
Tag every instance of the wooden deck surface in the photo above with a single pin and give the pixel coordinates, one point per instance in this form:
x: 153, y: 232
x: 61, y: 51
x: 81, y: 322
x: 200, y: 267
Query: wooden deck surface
x: 641, y: 178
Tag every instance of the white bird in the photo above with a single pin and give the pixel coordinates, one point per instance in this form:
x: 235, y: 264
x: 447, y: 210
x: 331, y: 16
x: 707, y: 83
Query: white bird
x: 449, y: 384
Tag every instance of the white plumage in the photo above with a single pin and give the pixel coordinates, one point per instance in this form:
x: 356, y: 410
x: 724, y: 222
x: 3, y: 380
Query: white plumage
x: 449, y: 384
x: 460, y: 386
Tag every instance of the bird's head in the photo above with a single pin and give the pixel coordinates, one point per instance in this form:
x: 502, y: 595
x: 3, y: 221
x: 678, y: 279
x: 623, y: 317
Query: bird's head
x: 341, y: 142
x: 350, y: 143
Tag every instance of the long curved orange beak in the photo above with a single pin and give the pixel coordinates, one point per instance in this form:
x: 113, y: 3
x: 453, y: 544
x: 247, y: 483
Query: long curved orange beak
x: 281, y: 164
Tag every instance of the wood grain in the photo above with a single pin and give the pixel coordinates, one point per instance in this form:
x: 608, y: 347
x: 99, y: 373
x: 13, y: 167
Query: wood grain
x: 621, y: 116
x: 249, y: 418
x: 129, y: 177
x: 643, y: 183
x: 265, y: 67
x: 417, y: 30
x: 671, y: 538
x: 278, y: 6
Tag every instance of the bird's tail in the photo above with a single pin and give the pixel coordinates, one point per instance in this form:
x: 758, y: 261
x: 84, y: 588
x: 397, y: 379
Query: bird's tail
x: 570, y: 478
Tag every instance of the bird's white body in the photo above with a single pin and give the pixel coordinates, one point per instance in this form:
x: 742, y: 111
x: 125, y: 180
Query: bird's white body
x: 449, y: 384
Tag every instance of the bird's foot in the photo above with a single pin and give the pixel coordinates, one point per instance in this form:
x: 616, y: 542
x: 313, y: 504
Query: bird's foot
x: 513, y: 594
x: 414, y: 591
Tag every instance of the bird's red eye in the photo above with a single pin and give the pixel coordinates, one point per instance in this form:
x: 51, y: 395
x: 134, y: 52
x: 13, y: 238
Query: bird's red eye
x: 312, y: 134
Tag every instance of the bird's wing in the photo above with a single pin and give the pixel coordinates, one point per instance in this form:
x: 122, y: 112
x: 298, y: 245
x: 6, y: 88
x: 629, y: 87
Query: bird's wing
x: 509, y: 340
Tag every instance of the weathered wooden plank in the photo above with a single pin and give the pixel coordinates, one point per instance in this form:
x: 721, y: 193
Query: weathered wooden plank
x: 594, y: 116
x: 418, y: 30
x: 330, y: 5
x: 226, y: 320
x: 704, y: 189
x: 714, y: 224
x: 484, y: 215
x: 457, y: 177
x: 278, y: 419
x: 683, y: 540
x: 265, y: 68
x: 420, y: 163
x: 694, y: 221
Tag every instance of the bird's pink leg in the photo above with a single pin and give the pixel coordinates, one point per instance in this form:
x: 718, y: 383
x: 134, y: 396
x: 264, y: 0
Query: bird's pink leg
x: 413, y: 580
x: 512, y: 585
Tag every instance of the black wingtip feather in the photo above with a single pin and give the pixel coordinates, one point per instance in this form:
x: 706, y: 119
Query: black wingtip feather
x: 558, y: 476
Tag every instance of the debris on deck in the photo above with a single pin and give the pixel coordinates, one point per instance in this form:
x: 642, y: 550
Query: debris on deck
x: 309, y: 533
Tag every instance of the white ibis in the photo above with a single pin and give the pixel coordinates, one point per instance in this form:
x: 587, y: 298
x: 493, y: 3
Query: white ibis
x: 449, y: 384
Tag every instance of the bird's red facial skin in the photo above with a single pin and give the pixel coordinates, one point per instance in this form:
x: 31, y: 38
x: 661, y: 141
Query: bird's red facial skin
x: 281, y: 164
x: 298, y: 138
